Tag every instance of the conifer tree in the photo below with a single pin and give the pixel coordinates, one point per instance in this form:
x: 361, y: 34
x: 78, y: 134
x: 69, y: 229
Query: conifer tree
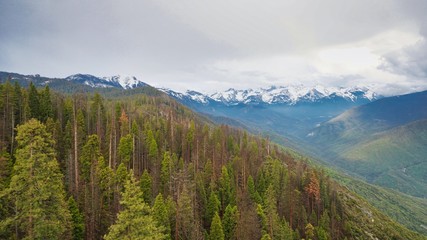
x: 125, y: 148
x: 77, y: 220
x: 146, y: 183
x: 36, y: 189
x: 229, y: 222
x: 161, y: 215
x: 216, y: 231
x: 45, y: 107
x: 34, y: 101
x: 135, y: 220
x: 212, y: 207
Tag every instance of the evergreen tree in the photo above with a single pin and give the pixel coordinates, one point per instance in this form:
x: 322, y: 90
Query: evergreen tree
x: 225, y: 188
x: 77, y: 221
x: 146, y: 183
x: 229, y: 222
x: 45, y: 107
x: 36, y: 189
x: 135, y: 220
x: 212, y: 207
x: 309, y: 231
x: 216, y: 231
x: 185, y: 222
x: 253, y: 193
x: 125, y: 148
x: 161, y: 215
x: 34, y: 101
x: 165, y: 172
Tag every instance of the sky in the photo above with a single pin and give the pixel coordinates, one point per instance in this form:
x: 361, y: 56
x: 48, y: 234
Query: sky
x: 211, y: 46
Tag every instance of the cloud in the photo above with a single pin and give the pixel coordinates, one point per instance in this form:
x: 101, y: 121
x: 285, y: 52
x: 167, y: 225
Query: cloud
x: 212, y: 45
x: 410, y: 61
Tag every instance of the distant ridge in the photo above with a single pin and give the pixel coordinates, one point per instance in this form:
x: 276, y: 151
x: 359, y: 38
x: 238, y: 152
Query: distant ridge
x: 290, y: 95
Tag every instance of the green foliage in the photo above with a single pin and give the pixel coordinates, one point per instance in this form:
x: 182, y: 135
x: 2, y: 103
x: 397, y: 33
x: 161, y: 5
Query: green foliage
x: 216, y: 232
x: 198, y: 173
x: 253, y: 193
x: 89, y: 156
x: 146, y: 186
x: 161, y: 215
x: 36, y: 189
x: 45, y: 107
x: 126, y: 148
x: 34, y: 102
x: 166, y: 168
x: 265, y: 237
x: 153, y: 150
x: 212, y: 207
x: 309, y: 231
x: 226, y: 192
x: 229, y: 222
x: 77, y: 220
x: 135, y: 220
x: 185, y: 216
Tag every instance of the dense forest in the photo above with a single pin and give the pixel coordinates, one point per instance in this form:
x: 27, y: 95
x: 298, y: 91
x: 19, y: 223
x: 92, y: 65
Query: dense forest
x: 138, y: 165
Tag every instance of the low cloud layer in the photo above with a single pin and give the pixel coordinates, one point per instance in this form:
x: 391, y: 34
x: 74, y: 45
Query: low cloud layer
x: 214, y: 45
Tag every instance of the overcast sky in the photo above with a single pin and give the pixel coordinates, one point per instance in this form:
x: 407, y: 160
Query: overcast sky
x: 210, y: 45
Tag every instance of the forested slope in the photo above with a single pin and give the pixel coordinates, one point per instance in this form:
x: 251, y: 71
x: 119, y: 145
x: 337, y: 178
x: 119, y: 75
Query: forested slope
x: 145, y: 166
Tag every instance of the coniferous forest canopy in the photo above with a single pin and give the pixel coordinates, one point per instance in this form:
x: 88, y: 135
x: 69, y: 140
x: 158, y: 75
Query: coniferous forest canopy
x: 142, y: 166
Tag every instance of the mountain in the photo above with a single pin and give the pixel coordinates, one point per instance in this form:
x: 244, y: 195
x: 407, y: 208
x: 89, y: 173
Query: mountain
x: 182, y: 161
x: 384, y: 141
x: 290, y: 95
x: 81, y: 81
x: 290, y: 111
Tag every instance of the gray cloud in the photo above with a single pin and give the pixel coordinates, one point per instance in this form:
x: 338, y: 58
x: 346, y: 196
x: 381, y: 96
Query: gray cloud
x: 212, y: 44
x: 410, y: 61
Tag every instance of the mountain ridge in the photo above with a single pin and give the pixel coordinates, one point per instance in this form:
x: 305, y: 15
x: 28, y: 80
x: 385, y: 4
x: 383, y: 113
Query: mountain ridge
x: 116, y: 81
x: 290, y: 95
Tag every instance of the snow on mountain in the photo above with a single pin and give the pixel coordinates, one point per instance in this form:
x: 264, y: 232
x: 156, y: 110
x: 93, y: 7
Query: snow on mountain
x: 278, y: 95
x: 126, y: 82
x: 188, y: 95
x: 118, y: 81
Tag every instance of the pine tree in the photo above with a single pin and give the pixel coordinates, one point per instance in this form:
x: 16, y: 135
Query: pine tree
x: 125, y: 148
x: 165, y: 172
x: 225, y: 188
x: 309, y: 231
x: 135, y: 220
x: 77, y: 220
x: 34, y: 101
x: 161, y: 215
x: 253, y: 193
x: 216, y: 231
x: 229, y: 222
x: 146, y: 184
x: 36, y: 189
x: 212, y: 207
x: 45, y: 107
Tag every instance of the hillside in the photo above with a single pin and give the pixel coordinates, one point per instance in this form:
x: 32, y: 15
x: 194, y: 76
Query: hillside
x: 194, y: 178
x: 384, y: 141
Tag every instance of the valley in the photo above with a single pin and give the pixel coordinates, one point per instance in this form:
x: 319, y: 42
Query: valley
x: 290, y: 125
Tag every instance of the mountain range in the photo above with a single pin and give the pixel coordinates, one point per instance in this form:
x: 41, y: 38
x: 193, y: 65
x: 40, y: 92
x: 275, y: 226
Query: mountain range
x: 86, y: 82
x: 384, y: 141
x: 290, y: 95
x: 380, y: 139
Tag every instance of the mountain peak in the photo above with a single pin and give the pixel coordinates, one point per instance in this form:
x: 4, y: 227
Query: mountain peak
x: 290, y: 95
x: 126, y: 82
x: 117, y: 81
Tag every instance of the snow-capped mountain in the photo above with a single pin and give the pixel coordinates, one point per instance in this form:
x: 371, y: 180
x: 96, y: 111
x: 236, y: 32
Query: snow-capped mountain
x: 126, y: 82
x: 289, y: 95
x: 118, y: 81
x: 92, y: 81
